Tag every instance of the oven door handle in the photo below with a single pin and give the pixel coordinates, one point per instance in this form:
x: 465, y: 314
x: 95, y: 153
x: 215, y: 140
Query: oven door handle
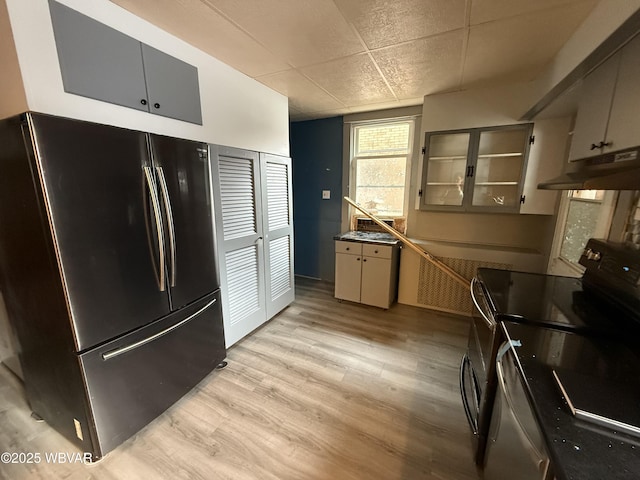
x: 491, y: 323
x: 464, y: 365
x: 537, y: 455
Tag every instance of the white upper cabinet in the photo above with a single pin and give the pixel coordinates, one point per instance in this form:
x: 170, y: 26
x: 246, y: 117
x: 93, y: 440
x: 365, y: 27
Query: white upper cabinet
x: 593, y: 110
x: 607, y: 117
x: 624, y: 121
x: 547, y: 156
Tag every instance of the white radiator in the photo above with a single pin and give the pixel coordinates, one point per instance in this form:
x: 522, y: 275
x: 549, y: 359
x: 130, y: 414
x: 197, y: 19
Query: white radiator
x: 439, y: 291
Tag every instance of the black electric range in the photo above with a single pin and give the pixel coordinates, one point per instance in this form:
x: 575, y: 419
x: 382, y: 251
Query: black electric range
x: 604, y: 303
x: 565, y: 303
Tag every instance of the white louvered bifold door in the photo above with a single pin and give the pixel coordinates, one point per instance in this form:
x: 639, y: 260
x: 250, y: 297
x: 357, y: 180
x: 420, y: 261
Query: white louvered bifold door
x: 278, y: 231
x: 238, y: 207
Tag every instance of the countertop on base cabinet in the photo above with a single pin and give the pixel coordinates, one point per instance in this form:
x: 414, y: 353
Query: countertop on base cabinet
x: 367, y: 268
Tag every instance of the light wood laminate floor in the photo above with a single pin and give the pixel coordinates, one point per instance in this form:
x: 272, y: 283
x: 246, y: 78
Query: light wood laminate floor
x: 324, y: 391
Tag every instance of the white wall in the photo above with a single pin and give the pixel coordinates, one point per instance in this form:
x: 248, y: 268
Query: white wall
x: 476, y: 107
x: 237, y: 111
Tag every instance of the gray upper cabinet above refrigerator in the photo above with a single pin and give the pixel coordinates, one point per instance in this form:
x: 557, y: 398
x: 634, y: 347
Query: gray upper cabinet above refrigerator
x: 99, y: 62
x: 172, y: 86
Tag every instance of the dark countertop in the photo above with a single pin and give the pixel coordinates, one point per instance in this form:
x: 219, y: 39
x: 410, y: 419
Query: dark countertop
x: 579, y: 449
x: 561, y: 302
x: 370, y: 237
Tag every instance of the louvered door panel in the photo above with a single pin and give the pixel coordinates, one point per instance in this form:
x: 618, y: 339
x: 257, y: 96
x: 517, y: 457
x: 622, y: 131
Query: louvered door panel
x: 238, y: 206
x: 276, y: 181
x: 237, y: 194
x: 277, y: 195
x: 280, y: 275
x: 243, y: 283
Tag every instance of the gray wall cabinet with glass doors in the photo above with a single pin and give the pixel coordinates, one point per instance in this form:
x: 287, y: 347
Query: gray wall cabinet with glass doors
x: 477, y: 169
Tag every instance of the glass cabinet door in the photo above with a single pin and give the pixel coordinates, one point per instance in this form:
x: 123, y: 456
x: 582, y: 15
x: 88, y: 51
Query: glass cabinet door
x: 446, y: 168
x: 497, y: 175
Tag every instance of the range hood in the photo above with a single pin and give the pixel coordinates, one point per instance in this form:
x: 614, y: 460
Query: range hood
x: 619, y: 170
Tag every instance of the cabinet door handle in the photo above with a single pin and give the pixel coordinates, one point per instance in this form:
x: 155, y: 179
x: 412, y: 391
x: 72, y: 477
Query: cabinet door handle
x: 364, y: 259
x: 594, y: 146
x: 156, y: 105
x: 375, y: 251
x: 143, y: 101
x: 358, y: 259
x: 347, y: 249
x: 604, y: 144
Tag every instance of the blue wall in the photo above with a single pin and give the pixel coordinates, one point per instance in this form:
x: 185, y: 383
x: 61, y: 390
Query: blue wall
x: 316, y: 152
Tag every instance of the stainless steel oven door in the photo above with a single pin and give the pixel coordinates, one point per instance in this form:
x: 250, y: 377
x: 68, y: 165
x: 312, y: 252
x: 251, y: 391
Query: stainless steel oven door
x: 515, y: 448
x: 477, y: 371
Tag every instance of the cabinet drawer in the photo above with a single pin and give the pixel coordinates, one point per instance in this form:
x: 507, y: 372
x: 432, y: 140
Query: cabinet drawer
x: 353, y: 248
x: 378, y: 251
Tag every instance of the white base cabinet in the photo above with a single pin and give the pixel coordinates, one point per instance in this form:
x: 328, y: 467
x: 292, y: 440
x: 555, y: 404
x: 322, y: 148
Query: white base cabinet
x: 366, y: 273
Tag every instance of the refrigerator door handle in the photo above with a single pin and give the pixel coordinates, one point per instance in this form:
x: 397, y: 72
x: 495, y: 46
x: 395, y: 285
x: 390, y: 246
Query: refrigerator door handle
x: 170, y: 225
x: 148, y: 173
x: 144, y: 341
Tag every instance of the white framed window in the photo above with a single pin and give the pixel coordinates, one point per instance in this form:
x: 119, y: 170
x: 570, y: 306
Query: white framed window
x: 583, y: 214
x: 380, y: 156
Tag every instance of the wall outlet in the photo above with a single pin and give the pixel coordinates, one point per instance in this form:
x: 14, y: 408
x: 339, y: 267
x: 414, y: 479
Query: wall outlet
x: 326, y: 194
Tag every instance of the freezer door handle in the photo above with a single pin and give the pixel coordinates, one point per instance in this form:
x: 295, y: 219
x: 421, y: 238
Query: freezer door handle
x: 144, y: 341
x: 148, y: 173
x: 170, y: 224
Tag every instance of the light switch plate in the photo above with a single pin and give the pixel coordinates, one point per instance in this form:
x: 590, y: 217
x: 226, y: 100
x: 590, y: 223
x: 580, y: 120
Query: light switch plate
x: 326, y: 194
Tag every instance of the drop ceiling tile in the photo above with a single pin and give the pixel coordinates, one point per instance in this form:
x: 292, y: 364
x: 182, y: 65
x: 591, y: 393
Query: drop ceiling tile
x: 352, y: 80
x: 488, y: 10
x: 382, y: 22
x: 303, y: 94
x: 504, y: 48
x: 303, y: 32
x: 204, y: 28
x: 424, y: 66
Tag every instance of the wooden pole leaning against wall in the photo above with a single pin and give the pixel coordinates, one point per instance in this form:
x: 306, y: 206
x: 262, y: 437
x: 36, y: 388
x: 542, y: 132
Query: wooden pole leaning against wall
x: 424, y: 254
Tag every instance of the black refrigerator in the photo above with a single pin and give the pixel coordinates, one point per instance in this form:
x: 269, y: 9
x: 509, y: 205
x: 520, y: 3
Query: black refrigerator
x: 107, y: 267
